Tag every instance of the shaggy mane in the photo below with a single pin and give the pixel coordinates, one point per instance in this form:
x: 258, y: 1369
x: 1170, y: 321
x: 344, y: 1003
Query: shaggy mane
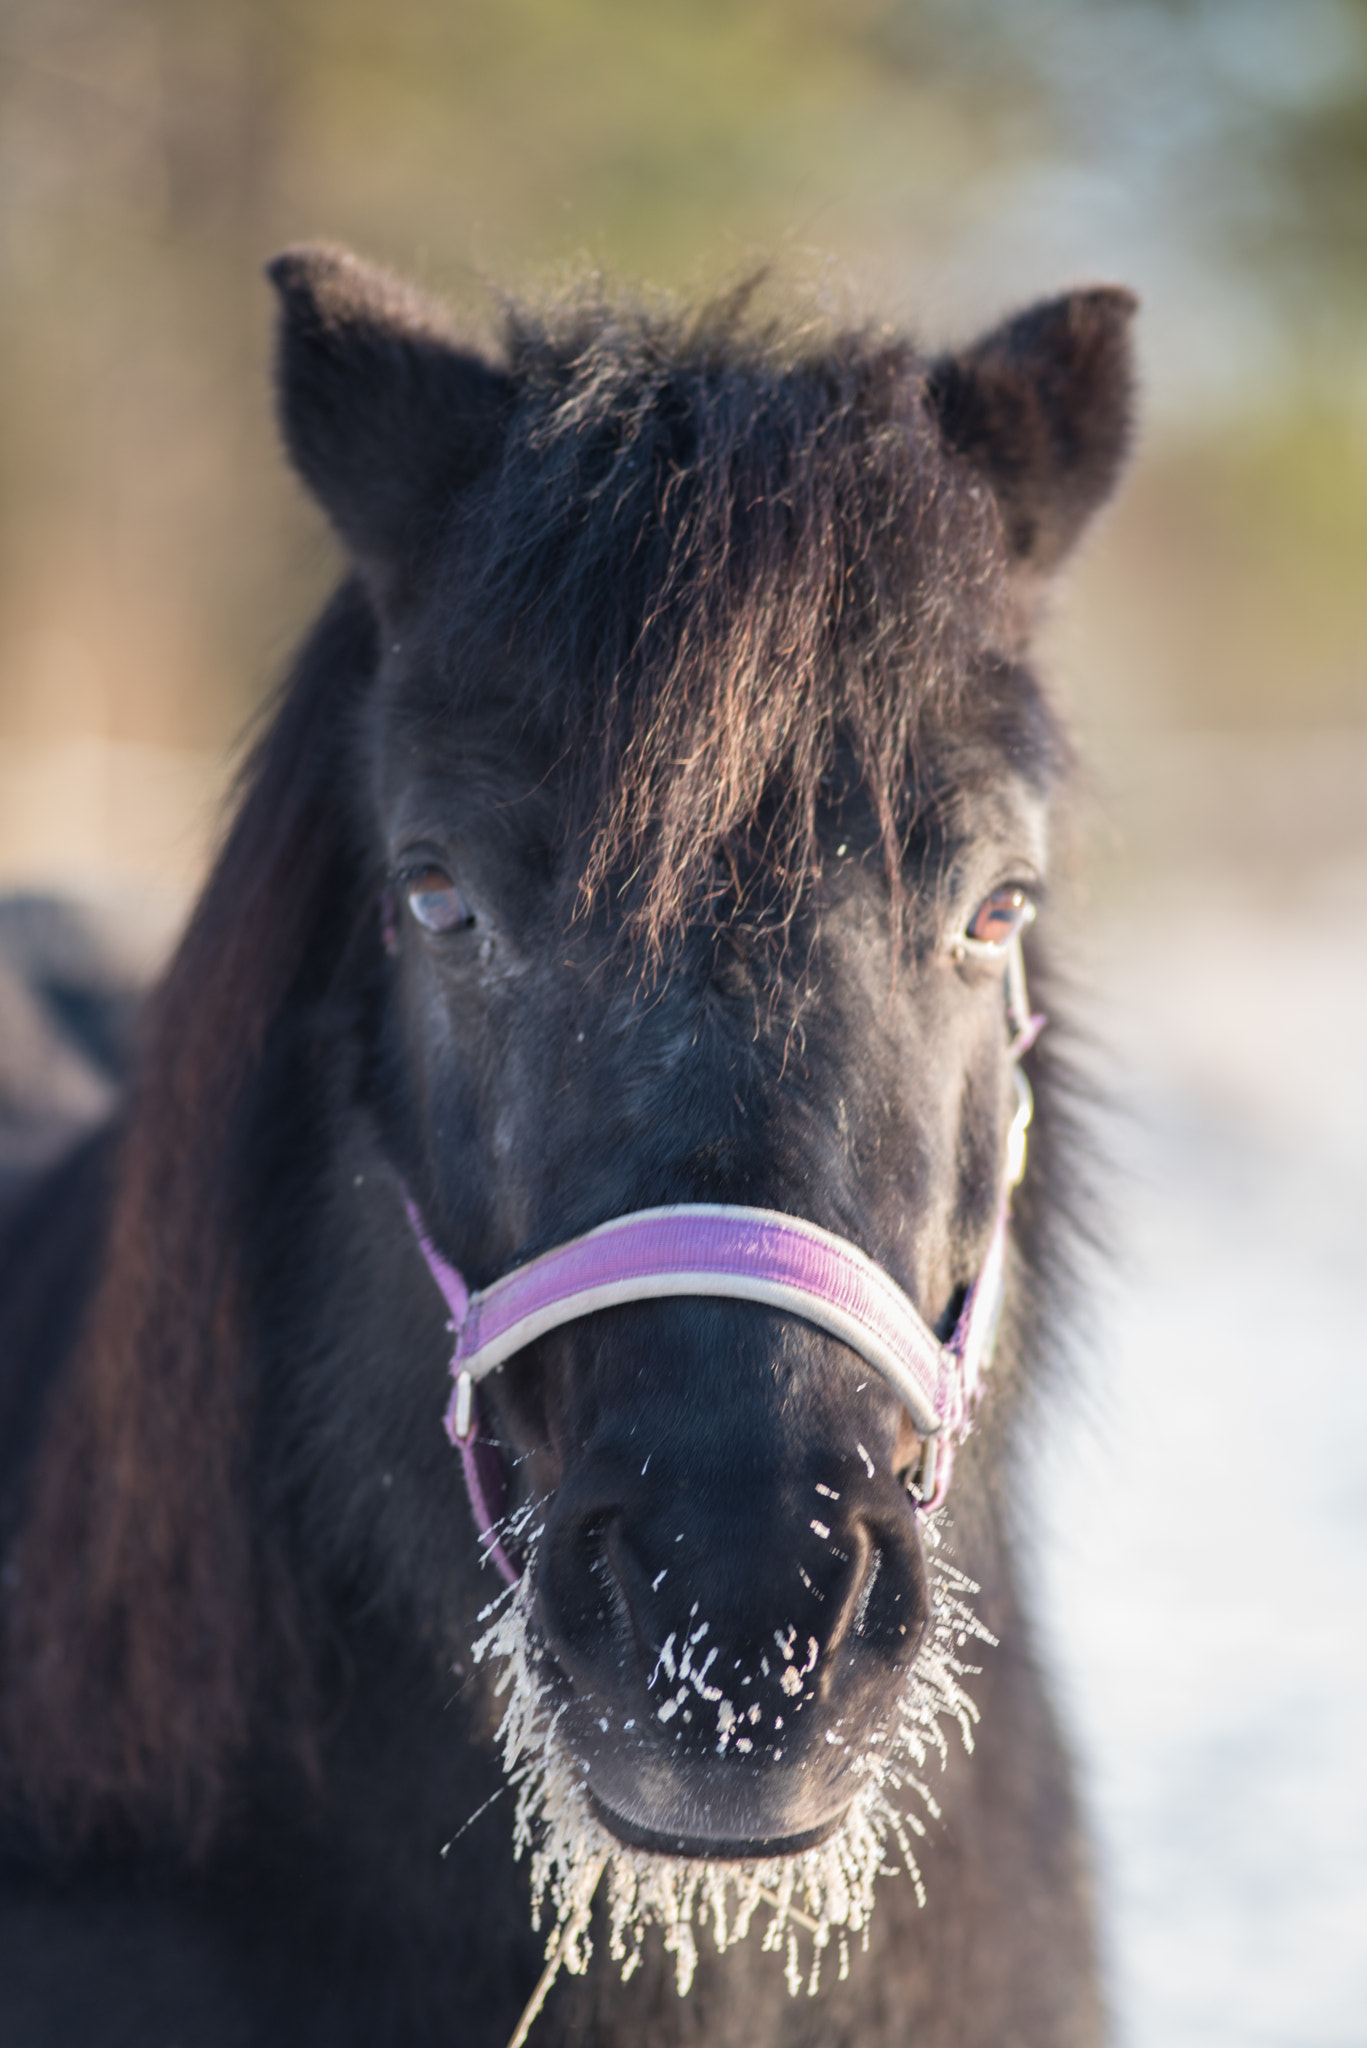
x: 714, y: 565
x: 145, y: 1625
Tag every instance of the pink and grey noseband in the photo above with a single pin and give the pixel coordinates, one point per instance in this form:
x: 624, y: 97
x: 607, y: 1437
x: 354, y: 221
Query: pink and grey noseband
x: 702, y: 1248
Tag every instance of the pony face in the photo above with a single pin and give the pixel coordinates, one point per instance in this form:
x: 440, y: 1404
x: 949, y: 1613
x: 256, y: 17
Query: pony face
x: 700, y: 749
x: 728, y: 1591
x: 647, y: 821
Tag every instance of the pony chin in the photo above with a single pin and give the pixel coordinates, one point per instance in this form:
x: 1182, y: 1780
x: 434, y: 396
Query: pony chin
x: 800, y: 1891
x: 687, y: 1835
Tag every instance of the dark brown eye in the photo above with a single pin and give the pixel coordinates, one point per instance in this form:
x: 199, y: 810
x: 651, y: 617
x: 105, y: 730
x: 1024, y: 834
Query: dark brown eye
x: 999, y: 918
x: 435, y: 900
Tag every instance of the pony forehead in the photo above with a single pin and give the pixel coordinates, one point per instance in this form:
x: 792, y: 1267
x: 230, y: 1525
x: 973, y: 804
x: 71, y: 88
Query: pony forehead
x: 477, y: 783
x: 703, y: 577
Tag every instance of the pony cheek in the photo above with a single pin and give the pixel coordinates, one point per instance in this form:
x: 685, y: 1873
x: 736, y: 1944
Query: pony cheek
x: 389, y: 923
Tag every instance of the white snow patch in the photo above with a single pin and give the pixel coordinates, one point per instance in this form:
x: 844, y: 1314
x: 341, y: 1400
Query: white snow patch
x: 802, y: 1899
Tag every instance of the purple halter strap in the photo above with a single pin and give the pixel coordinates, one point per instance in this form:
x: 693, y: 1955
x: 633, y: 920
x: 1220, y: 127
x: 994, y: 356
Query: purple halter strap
x: 700, y: 1248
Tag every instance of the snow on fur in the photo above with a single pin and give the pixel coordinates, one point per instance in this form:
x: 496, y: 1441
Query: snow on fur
x: 806, y: 1897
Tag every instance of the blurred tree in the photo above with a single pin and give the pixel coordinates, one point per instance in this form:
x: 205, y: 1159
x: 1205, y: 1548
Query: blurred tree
x: 154, y: 559
x: 152, y: 152
x: 1239, y: 126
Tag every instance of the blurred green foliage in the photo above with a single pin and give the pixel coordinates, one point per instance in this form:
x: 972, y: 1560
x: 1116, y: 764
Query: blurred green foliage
x: 154, y: 559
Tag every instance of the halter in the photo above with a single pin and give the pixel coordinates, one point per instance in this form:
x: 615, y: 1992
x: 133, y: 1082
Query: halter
x: 742, y: 1254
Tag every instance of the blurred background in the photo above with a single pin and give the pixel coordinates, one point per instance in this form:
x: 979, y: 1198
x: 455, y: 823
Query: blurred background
x: 933, y: 162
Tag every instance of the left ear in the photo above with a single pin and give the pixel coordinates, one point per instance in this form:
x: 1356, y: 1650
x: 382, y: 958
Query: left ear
x: 1042, y: 407
x: 386, y: 416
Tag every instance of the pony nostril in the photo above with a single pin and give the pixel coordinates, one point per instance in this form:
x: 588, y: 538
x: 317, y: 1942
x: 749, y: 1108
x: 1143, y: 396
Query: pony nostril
x: 871, y: 1575
x: 608, y: 1569
x: 580, y: 1598
x: 584, y: 1602
x: 889, y: 1606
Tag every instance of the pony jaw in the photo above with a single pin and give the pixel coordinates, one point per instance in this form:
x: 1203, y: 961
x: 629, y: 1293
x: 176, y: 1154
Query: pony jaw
x: 806, y: 1889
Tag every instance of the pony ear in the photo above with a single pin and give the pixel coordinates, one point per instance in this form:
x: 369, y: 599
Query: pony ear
x: 1042, y: 407
x: 384, y: 414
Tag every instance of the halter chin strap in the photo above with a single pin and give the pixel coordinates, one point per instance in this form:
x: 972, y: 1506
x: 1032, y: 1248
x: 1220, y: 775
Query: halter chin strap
x: 704, y: 1248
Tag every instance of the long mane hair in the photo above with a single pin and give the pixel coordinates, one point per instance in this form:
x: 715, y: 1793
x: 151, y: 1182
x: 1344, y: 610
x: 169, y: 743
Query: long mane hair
x: 146, y: 1618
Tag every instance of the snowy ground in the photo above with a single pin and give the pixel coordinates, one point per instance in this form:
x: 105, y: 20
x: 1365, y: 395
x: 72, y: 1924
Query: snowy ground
x: 1206, y: 1576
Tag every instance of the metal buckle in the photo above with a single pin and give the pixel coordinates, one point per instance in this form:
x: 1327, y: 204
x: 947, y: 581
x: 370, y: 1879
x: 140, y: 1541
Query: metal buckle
x: 1020, y: 1124
x: 1017, y: 994
x: 464, y: 1412
x: 921, y: 1482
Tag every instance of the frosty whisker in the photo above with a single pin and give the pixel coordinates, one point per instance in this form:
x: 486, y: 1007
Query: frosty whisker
x: 812, y: 1893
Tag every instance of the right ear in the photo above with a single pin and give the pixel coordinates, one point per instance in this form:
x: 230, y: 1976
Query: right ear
x: 385, y: 416
x: 1041, y: 407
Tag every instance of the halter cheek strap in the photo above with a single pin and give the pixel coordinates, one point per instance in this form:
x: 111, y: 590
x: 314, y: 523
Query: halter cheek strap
x: 741, y: 1254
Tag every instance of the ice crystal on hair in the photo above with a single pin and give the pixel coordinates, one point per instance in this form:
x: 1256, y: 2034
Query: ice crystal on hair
x: 801, y: 1900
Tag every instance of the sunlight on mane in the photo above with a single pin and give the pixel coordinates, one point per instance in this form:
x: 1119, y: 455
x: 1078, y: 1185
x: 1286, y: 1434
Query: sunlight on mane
x: 806, y: 1897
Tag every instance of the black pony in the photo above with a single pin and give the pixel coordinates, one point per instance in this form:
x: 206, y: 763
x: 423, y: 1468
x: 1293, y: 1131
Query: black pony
x: 649, y: 819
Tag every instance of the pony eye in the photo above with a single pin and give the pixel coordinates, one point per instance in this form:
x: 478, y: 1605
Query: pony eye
x: 999, y: 918
x: 435, y: 900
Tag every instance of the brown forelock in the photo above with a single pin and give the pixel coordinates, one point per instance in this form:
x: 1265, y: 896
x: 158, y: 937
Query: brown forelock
x: 712, y: 566
x: 147, y: 1613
